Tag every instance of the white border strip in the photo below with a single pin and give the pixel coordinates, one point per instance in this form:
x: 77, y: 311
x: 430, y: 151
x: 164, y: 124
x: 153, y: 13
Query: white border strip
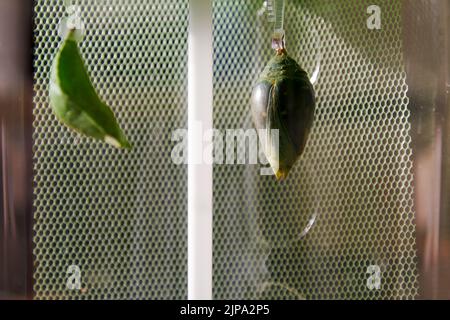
x: 200, y: 104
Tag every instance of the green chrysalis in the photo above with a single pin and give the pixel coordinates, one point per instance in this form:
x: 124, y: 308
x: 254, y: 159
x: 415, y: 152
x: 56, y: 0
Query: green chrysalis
x: 283, y: 99
x: 75, y: 101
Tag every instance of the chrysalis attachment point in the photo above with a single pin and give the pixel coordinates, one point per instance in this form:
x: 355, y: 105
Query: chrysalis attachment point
x: 278, y: 42
x: 76, y: 31
x: 72, y: 24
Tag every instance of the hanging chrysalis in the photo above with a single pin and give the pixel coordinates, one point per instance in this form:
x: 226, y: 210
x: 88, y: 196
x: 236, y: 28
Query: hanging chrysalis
x: 74, y: 99
x: 283, y: 99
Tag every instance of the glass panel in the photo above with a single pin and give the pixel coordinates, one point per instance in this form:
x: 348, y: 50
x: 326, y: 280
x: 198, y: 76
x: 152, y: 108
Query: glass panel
x: 354, y: 182
x: 119, y: 216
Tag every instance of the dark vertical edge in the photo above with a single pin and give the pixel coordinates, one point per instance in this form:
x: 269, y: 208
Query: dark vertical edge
x: 29, y: 71
x: 426, y: 54
x: 443, y: 291
x: 16, y: 168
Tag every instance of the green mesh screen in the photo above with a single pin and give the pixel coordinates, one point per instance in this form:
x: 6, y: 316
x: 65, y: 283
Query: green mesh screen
x: 354, y: 182
x: 119, y: 216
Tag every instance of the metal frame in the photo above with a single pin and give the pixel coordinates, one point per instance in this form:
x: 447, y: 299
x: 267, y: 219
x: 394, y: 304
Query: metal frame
x: 200, y: 174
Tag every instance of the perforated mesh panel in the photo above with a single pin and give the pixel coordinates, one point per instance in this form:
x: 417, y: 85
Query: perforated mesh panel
x: 119, y: 216
x: 355, y: 177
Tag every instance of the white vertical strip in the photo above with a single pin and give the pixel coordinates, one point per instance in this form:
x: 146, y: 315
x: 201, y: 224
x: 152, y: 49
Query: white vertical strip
x: 200, y: 97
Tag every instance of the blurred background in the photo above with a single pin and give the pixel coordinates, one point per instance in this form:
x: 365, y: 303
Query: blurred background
x: 373, y: 183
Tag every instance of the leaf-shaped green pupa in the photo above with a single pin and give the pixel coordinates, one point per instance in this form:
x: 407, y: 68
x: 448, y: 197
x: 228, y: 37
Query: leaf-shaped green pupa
x: 75, y: 101
x: 283, y: 99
